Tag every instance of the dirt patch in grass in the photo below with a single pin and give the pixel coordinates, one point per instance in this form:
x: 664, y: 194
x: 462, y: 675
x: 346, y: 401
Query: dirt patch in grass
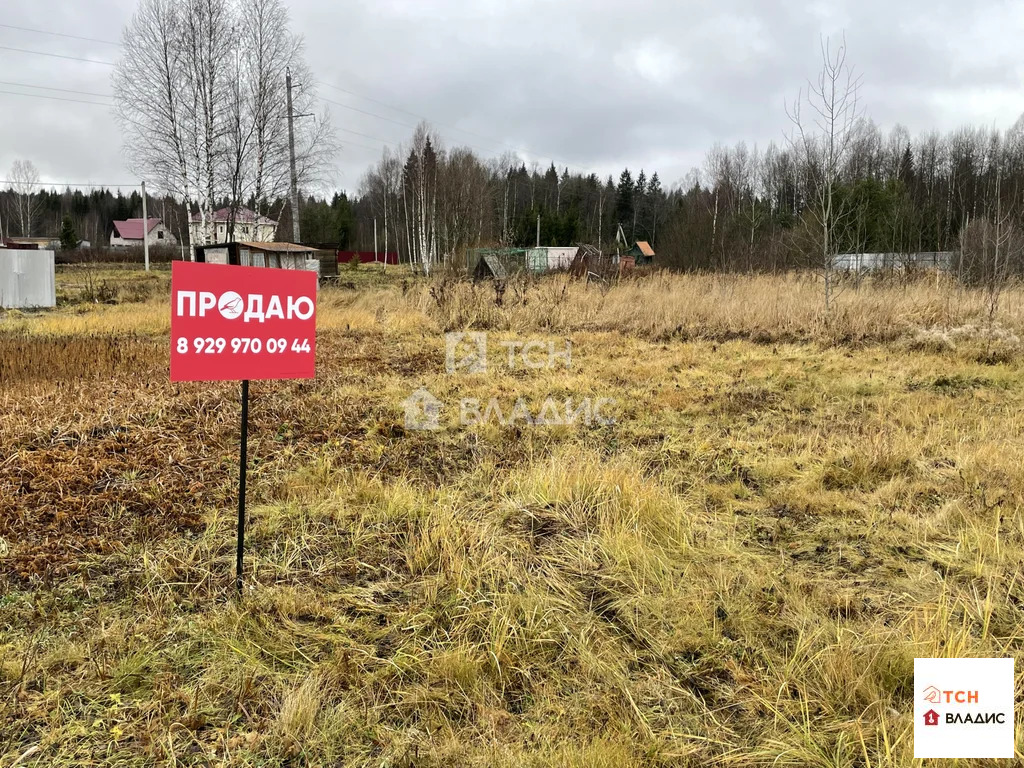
x: 101, y: 451
x: 66, y: 496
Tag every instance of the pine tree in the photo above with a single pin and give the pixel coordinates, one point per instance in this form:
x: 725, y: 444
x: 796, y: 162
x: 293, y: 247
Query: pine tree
x: 68, y: 237
x: 640, y: 207
x: 624, y: 200
x: 344, y: 223
x: 655, y: 205
x: 551, y: 187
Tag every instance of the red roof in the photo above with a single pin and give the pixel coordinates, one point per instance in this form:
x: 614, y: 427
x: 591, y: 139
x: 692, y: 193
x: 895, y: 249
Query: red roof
x: 242, y: 216
x: 131, y: 229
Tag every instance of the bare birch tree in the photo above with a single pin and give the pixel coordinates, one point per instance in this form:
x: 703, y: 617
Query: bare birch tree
x: 419, y: 197
x: 382, y: 186
x: 463, y: 195
x: 259, y: 166
x: 823, y: 140
x: 991, y: 252
x: 24, y: 180
x: 154, y: 103
x: 200, y: 95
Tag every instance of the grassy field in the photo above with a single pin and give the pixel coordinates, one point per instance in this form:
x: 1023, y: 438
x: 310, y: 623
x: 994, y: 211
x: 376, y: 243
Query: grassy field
x: 737, y: 569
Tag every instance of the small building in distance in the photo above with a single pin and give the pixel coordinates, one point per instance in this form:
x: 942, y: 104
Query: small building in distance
x: 272, y: 255
x: 535, y: 260
x: 868, y: 262
x: 550, y: 258
x: 130, y: 233
x: 489, y: 267
x: 642, y: 253
x: 32, y: 243
x: 249, y: 226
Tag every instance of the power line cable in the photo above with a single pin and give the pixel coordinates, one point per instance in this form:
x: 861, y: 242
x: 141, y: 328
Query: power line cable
x: 56, y: 98
x: 57, y: 56
x: 491, y: 139
x: 61, y: 90
x: 364, y: 112
x: 60, y: 34
x: 527, y: 150
x: 523, y: 149
x: 386, y: 142
x: 411, y: 114
x: 69, y: 184
x: 330, y: 85
x: 381, y: 117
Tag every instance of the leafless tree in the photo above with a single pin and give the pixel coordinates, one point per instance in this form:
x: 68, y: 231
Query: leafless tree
x: 257, y: 160
x: 717, y: 174
x: 823, y: 140
x: 419, y: 197
x: 383, y: 187
x: 153, y: 85
x: 502, y: 169
x: 200, y: 94
x: 749, y: 177
x: 463, y: 201
x: 991, y: 251
x: 24, y: 180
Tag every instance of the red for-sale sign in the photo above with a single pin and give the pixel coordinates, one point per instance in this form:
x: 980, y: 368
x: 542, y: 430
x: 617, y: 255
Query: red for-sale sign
x: 237, y: 323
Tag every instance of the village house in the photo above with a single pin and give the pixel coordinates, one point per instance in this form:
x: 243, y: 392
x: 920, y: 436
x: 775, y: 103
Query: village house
x: 130, y: 232
x: 249, y: 226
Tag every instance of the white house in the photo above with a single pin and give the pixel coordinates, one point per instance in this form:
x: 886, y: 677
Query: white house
x: 249, y: 227
x: 130, y: 232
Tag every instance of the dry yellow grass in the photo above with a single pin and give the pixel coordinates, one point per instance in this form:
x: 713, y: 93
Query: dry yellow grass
x: 738, y: 572
x: 932, y: 311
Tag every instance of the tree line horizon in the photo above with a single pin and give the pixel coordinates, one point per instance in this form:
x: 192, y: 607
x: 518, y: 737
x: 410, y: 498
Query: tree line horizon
x: 744, y: 209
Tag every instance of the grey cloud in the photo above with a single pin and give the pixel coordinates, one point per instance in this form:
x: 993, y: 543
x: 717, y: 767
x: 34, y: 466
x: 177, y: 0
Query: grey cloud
x: 598, y: 85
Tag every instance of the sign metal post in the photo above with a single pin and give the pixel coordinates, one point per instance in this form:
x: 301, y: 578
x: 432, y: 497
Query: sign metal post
x: 233, y: 323
x: 242, y: 465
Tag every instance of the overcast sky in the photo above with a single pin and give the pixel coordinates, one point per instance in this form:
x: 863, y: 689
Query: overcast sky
x: 591, y: 84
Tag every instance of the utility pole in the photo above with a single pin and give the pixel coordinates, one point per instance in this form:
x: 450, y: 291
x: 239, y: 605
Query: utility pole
x: 538, y: 230
x: 145, y: 227
x: 375, y: 240
x: 296, y: 236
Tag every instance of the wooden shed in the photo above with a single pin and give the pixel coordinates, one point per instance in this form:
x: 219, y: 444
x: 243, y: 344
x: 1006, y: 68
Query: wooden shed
x: 273, y: 255
x: 642, y: 253
x: 490, y: 268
